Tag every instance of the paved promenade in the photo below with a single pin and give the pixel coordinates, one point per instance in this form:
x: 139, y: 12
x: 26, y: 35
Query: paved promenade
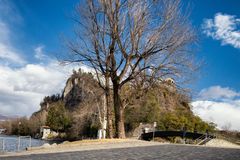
x: 161, y: 152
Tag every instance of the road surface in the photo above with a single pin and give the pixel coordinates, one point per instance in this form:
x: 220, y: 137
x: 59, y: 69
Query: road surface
x: 163, y: 152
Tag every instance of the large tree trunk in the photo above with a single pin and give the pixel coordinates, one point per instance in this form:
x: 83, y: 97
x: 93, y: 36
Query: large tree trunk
x: 109, y: 116
x: 109, y: 110
x: 119, y: 112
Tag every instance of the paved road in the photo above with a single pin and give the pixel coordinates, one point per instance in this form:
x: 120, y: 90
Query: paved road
x: 162, y: 152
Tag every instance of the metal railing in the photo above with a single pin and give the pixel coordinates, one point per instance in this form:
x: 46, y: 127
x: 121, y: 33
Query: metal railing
x: 203, y: 139
x: 4, y: 142
x: 200, y: 139
x: 19, y: 141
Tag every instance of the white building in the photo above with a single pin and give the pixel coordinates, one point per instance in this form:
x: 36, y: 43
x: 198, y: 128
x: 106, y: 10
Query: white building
x: 45, y: 131
x: 2, y: 130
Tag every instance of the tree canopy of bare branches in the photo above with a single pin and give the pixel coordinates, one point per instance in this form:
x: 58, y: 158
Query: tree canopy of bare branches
x: 122, y: 39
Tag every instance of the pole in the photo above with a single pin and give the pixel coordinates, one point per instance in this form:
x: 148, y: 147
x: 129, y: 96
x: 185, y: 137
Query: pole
x: 3, y: 143
x: 18, y: 143
x: 154, y: 126
x: 153, y: 133
x: 30, y: 143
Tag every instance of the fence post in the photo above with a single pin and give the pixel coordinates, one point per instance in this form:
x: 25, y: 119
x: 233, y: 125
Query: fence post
x: 30, y: 143
x: 154, y: 129
x: 3, y: 143
x: 18, y: 143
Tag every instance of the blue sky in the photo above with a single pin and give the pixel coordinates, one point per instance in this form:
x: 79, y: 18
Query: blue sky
x: 31, y: 34
x: 222, y: 62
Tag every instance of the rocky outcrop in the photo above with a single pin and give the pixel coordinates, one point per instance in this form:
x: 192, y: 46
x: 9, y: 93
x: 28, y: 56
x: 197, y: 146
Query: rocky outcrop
x: 80, y: 94
x: 80, y: 88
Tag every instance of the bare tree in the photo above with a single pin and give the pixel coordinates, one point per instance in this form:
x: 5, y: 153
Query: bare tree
x: 227, y: 126
x: 122, y: 39
x: 102, y: 115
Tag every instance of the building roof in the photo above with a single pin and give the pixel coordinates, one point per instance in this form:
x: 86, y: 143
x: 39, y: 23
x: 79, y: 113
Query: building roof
x: 45, y: 127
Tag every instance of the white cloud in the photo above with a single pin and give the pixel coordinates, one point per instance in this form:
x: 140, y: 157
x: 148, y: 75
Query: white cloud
x: 8, y: 15
x: 220, y: 105
x: 9, y: 12
x: 217, y: 92
x: 223, y: 27
x: 221, y: 113
x: 22, y: 83
x: 39, y: 53
x: 4, y: 32
x: 7, y: 52
x: 22, y: 88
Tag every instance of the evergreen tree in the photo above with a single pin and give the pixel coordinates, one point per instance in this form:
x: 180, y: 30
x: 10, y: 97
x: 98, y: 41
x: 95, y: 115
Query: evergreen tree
x: 58, y: 118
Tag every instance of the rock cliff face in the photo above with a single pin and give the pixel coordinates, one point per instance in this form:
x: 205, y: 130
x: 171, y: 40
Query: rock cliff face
x: 80, y: 88
x: 81, y: 97
x: 171, y: 99
x: 80, y: 91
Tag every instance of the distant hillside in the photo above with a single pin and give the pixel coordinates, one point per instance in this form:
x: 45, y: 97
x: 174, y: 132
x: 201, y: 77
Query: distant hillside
x: 3, y: 117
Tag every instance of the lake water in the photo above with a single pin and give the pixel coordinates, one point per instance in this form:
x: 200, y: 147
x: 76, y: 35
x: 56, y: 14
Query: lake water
x: 10, y: 143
